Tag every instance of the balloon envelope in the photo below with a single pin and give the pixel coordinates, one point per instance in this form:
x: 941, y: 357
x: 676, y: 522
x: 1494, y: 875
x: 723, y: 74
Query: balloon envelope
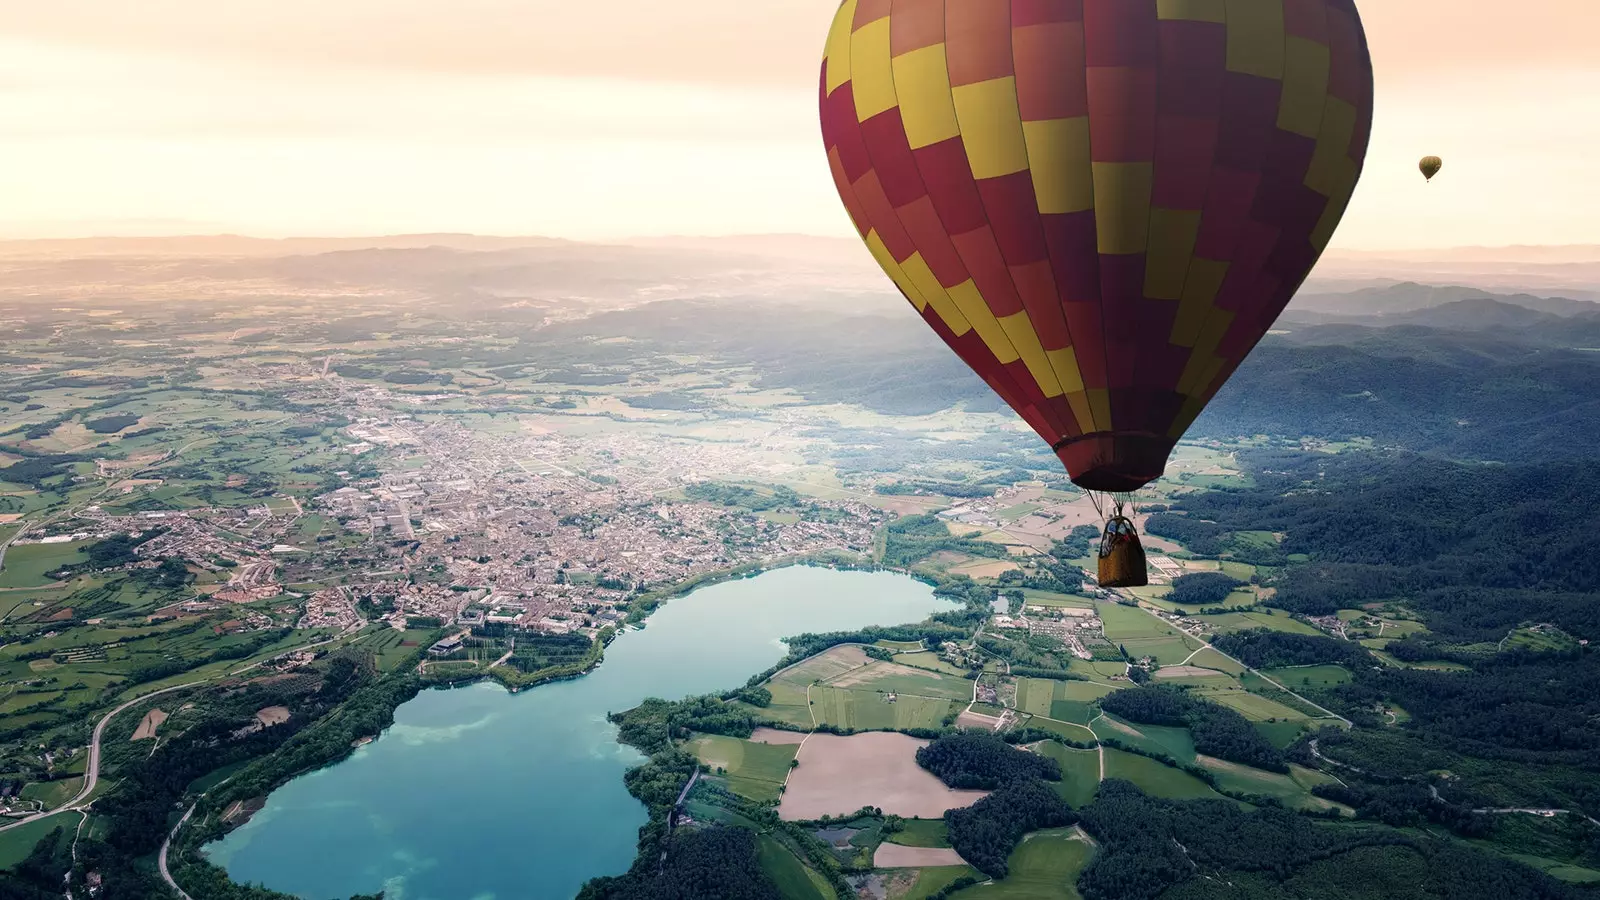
x: 1100, y: 205
x: 1430, y: 166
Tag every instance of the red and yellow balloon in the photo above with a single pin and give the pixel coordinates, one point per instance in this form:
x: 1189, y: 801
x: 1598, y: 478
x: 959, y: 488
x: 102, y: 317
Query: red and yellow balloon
x: 1101, y: 205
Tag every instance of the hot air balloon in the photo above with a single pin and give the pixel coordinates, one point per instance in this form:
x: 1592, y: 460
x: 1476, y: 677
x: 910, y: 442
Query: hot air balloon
x: 1100, y: 205
x: 1430, y: 166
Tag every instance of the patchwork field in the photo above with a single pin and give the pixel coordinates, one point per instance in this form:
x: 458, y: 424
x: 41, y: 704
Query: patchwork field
x: 1066, y: 701
x: 1142, y: 634
x: 839, y: 775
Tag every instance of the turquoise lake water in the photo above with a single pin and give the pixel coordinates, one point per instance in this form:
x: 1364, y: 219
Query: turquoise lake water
x: 480, y: 794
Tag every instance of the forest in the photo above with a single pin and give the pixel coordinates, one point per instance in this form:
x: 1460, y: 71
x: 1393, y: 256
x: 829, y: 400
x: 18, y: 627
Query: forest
x: 1202, y: 589
x: 699, y: 863
x: 1213, y: 849
x: 914, y: 538
x: 972, y: 760
x: 986, y: 832
x: 1475, y: 549
x: 1263, y: 648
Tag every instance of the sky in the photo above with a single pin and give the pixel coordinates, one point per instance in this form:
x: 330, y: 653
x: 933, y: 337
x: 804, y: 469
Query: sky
x: 597, y: 120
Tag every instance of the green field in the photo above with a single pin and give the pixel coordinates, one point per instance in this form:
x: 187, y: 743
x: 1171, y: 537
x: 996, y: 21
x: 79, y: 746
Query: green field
x: 927, y: 659
x: 17, y: 843
x: 1080, y: 772
x: 1274, y: 619
x: 1156, y: 779
x: 931, y: 881
x: 1310, y: 676
x: 1209, y: 679
x: 26, y: 565
x: 1282, y: 734
x: 1050, y: 598
x: 1293, y: 789
x: 1254, y: 707
x: 1211, y: 659
x: 1097, y: 669
x: 1045, y: 866
x: 753, y: 770
x: 1165, y: 739
x: 1125, y: 623
x: 53, y: 793
x: 922, y: 833
x: 795, y: 880
x: 900, y: 646
x: 1073, y: 731
x: 869, y: 709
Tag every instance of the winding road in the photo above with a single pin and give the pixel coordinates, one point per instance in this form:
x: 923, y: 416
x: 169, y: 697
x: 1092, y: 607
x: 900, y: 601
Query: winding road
x: 92, y: 771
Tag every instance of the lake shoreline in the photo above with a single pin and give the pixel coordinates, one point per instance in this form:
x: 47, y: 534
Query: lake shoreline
x: 752, y: 625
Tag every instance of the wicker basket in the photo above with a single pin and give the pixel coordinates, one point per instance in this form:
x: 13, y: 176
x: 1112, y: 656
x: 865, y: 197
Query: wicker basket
x: 1122, y: 556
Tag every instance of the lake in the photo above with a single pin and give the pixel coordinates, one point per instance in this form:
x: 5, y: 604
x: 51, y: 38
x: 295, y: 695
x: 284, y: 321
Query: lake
x: 479, y: 794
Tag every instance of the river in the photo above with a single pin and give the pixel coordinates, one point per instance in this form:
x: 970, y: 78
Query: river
x: 480, y: 794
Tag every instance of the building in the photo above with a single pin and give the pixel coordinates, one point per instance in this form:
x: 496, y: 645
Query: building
x: 446, y: 647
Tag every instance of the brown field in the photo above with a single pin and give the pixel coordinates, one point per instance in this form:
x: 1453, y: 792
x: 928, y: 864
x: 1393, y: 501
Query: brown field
x: 776, y: 737
x: 894, y: 856
x: 991, y: 569
x: 148, y: 725
x: 825, y: 665
x: 839, y: 775
x: 272, y: 715
x: 969, y: 719
x: 871, y: 673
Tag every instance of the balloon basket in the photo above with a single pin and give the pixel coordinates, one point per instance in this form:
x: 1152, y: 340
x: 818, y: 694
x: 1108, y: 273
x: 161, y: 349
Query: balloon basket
x: 1122, y: 562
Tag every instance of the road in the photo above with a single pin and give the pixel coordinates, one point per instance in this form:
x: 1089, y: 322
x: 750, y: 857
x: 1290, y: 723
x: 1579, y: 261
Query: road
x: 161, y: 861
x: 92, y: 771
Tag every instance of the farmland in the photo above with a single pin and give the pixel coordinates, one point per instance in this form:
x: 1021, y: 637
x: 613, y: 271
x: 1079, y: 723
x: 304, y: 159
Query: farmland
x: 841, y: 774
x: 1156, y: 779
x: 753, y: 770
x: 1142, y: 634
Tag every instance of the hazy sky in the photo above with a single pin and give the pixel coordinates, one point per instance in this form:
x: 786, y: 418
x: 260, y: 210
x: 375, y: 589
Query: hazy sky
x: 590, y: 119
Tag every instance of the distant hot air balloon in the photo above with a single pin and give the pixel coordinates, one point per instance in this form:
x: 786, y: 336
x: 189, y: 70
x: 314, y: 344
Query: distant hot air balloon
x: 1430, y: 166
x: 1100, y: 205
